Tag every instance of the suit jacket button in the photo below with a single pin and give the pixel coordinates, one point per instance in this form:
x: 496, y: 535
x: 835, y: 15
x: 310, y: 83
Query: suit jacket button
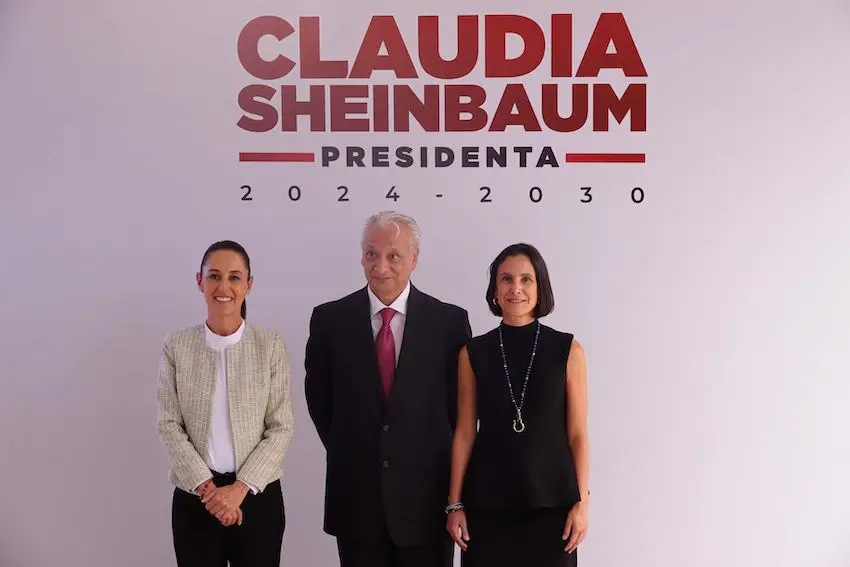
x: 386, y: 464
x: 386, y: 427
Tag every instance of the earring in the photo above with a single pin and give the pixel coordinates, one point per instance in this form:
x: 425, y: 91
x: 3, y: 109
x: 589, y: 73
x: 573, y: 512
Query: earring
x: 495, y: 302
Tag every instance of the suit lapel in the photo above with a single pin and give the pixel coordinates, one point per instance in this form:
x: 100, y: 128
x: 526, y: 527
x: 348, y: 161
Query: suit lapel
x: 237, y: 384
x: 364, y: 341
x: 205, y: 376
x: 415, y: 330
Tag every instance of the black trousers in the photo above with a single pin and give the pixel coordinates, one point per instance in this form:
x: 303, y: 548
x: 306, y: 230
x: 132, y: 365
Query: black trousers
x: 201, y: 541
x: 384, y: 553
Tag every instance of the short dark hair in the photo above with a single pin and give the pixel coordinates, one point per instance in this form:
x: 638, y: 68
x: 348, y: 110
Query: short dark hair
x: 545, y: 297
x: 234, y: 247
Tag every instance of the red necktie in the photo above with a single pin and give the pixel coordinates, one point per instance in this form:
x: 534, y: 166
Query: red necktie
x: 385, y: 344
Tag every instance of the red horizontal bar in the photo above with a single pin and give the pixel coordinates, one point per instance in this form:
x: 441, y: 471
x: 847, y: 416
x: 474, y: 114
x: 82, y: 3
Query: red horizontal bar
x: 606, y: 158
x: 297, y: 157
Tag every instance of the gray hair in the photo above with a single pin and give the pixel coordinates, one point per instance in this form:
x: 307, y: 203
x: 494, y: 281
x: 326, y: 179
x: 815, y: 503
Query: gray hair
x: 393, y: 218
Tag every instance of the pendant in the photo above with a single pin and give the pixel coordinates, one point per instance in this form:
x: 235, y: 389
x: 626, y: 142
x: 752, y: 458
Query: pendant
x: 519, y: 426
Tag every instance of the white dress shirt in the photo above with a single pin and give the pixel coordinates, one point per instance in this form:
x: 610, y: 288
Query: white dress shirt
x: 397, y: 322
x: 222, y: 456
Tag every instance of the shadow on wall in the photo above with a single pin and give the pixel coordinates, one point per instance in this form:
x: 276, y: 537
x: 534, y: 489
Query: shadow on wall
x: 122, y: 372
x: 15, y: 550
x: 95, y: 490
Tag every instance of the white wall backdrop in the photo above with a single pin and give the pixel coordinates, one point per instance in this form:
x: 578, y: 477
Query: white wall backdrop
x: 714, y: 313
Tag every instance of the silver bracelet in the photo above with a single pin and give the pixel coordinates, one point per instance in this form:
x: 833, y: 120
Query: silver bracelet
x: 454, y: 507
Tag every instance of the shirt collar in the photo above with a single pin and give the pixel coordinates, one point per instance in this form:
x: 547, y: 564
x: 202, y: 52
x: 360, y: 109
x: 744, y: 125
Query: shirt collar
x: 400, y: 304
x: 218, y: 342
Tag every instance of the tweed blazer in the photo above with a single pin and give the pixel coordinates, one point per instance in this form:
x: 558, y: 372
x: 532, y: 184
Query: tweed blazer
x: 258, y: 391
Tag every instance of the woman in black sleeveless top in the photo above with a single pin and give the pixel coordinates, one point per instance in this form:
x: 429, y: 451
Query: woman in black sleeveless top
x: 519, y: 483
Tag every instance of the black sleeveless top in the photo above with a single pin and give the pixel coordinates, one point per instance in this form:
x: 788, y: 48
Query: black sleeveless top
x: 535, y: 468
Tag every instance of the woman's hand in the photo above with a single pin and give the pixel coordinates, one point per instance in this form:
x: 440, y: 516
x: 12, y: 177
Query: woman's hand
x: 203, y: 487
x: 456, y: 524
x: 575, y: 527
x: 232, y: 518
x: 222, y: 502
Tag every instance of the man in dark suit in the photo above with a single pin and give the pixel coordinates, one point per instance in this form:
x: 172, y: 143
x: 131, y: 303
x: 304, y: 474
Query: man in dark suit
x: 381, y: 389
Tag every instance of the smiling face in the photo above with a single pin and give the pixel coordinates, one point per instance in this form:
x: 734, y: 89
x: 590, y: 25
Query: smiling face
x: 516, y: 288
x: 224, y: 281
x: 389, y: 257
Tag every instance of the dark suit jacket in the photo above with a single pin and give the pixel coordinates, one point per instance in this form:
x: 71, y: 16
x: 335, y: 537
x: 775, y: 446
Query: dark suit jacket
x: 388, y: 460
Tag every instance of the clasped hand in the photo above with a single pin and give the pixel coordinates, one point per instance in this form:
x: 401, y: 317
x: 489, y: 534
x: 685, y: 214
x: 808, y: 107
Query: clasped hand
x: 224, y: 502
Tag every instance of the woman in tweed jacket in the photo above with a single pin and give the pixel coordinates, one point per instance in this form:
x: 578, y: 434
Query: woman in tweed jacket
x: 225, y: 418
